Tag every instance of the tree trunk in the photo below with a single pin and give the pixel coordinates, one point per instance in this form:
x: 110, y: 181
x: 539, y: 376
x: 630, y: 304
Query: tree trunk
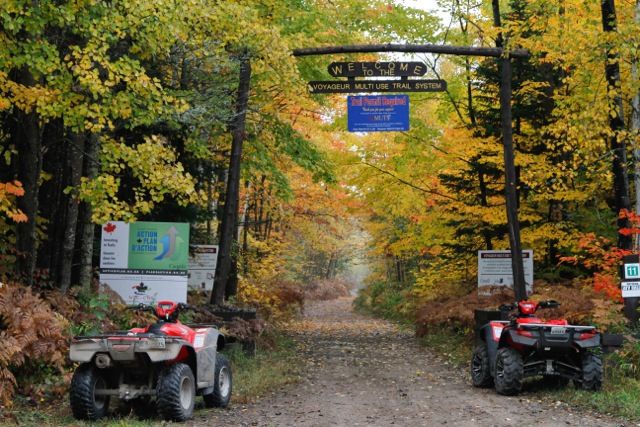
x: 27, y: 138
x: 617, y: 144
x: 635, y: 131
x: 75, y: 150
x: 616, y: 123
x: 230, y: 213
x: 91, y: 169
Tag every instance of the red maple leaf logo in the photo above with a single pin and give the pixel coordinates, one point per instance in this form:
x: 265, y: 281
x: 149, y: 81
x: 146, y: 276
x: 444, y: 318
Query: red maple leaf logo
x: 109, y: 228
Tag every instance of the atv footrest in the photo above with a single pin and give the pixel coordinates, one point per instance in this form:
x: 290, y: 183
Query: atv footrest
x: 551, y: 367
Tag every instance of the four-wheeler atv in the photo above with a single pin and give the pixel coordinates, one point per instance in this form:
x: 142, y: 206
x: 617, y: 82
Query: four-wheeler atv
x: 510, y: 350
x: 158, y: 368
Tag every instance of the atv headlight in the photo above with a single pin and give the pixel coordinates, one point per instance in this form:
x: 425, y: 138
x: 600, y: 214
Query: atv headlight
x: 154, y: 343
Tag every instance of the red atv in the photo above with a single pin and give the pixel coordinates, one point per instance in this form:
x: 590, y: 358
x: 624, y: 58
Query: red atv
x: 525, y: 346
x: 158, y: 368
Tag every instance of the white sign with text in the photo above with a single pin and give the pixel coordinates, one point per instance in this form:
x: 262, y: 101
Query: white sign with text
x: 495, y: 271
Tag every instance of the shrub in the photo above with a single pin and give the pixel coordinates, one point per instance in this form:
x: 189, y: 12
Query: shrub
x: 326, y: 289
x: 30, y: 331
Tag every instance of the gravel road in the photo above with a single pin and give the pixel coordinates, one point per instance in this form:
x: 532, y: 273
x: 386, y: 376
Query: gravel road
x: 365, y: 372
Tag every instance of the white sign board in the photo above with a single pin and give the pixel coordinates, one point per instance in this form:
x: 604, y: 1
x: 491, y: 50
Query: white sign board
x: 495, y: 271
x: 630, y: 289
x: 202, y: 266
x: 114, y: 251
x: 145, y: 262
x: 141, y: 287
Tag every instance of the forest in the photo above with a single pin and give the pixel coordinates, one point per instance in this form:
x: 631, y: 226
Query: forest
x: 196, y: 111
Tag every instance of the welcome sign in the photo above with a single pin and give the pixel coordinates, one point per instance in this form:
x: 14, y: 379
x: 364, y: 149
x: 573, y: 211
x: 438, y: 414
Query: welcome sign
x: 144, y: 262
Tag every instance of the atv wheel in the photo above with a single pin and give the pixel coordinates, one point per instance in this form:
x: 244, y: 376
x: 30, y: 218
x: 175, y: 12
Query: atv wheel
x: 176, y: 392
x: 223, y: 384
x: 509, y: 371
x: 591, y: 378
x: 480, y: 373
x: 85, y: 404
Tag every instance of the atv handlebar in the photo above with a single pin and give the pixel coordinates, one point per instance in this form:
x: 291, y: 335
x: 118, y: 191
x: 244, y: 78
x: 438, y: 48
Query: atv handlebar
x: 549, y: 304
x: 164, y: 310
x: 507, y: 307
x: 541, y: 304
x: 141, y: 307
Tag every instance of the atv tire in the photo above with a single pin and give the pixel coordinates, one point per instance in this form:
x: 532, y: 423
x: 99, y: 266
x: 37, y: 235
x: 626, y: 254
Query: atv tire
x: 591, y: 378
x: 176, y: 393
x: 509, y: 371
x: 480, y: 371
x: 223, y: 385
x: 85, y: 405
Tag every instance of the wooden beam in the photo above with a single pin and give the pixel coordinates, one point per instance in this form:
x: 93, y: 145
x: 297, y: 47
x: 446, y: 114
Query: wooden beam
x: 511, y: 197
x: 412, y: 48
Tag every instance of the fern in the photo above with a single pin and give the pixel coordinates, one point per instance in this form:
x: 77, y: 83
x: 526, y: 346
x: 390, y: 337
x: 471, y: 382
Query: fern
x: 31, y: 331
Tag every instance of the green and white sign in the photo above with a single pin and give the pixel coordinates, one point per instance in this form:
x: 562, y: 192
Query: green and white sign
x: 145, y: 261
x: 632, y: 271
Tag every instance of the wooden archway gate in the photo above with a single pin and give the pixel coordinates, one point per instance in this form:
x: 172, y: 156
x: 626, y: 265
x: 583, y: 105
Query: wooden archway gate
x: 504, y: 57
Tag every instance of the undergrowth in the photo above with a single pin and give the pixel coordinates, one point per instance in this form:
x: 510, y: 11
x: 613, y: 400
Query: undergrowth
x: 385, y: 301
x: 455, y: 345
x: 255, y: 376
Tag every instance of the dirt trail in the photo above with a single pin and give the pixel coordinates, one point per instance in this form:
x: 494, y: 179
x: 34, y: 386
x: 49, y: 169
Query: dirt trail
x: 365, y: 372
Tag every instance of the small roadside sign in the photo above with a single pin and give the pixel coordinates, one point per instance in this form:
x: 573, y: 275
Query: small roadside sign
x: 495, y: 271
x: 630, y: 285
x: 381, y: 113
x: 630, y: 289
x: 632, y: 271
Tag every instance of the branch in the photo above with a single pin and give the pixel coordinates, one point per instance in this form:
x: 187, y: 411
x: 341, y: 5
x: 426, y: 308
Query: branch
x: 407, y: 183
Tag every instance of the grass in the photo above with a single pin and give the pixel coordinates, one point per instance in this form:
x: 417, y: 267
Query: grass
x: 619, y: 397
x: 456, y: 347
x: 253, y: 377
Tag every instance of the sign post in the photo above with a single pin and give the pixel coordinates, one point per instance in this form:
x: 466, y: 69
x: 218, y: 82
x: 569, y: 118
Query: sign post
x: 630, y: 285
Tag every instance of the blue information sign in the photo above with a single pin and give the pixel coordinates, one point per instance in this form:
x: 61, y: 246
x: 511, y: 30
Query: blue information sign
x: 378, y: 113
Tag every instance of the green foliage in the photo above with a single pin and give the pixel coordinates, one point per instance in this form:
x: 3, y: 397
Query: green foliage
x: 384, y: 300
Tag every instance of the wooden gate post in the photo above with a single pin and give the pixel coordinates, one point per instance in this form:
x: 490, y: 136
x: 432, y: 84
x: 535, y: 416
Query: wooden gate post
x: 511, y: 198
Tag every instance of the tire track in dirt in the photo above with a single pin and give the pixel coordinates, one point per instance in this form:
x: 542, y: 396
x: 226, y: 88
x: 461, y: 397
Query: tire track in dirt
x: 366, y: 372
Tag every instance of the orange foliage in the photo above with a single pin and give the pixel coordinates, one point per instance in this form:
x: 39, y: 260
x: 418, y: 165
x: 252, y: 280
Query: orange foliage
x: 8, y: 192
x: 30, y: 332
x: 603, y: 258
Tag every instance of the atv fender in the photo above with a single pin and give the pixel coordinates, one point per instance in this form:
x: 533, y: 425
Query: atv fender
x: 206, y: 345
x: 511, y: 335
x: 589, y: 343
x: 490, y: 334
